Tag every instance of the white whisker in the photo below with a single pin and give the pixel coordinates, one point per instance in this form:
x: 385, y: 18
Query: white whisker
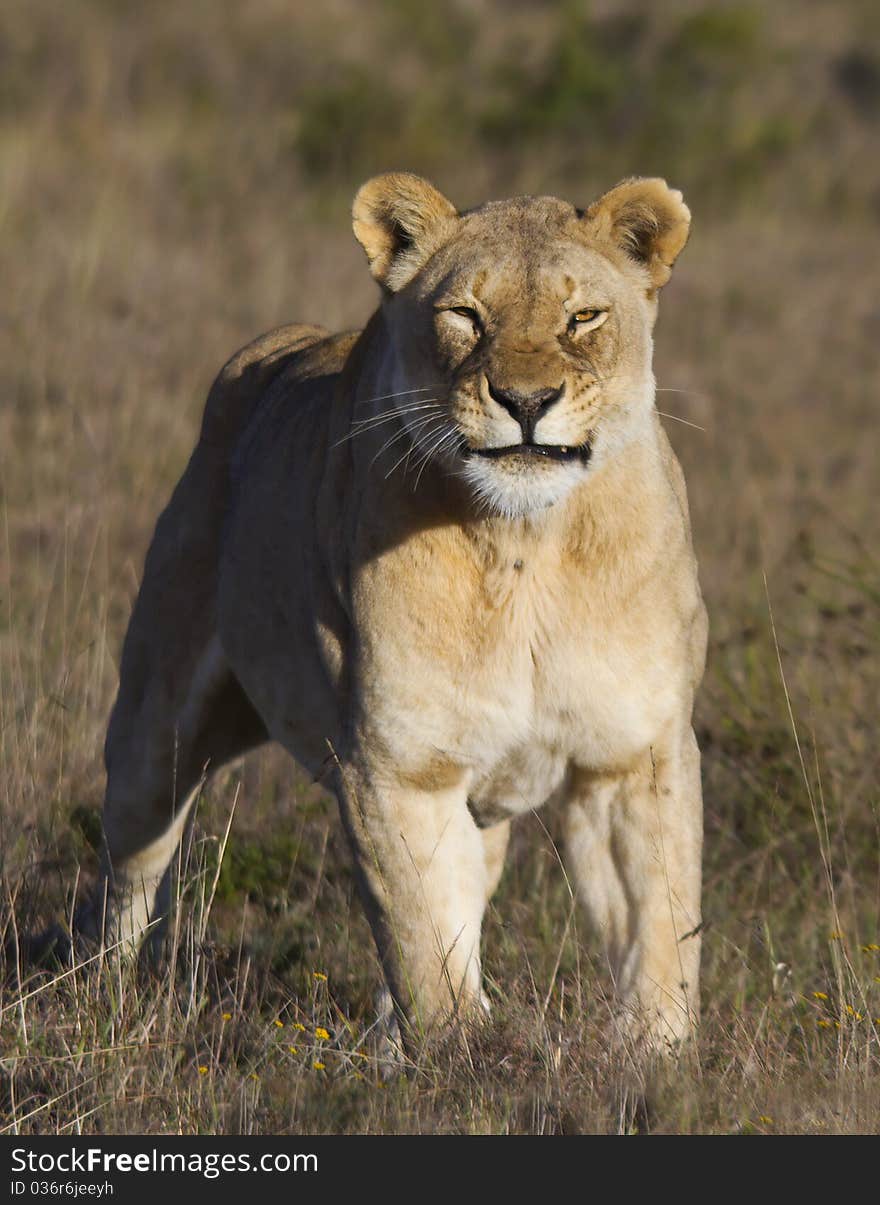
x: 445, y: 439
x: 404, y: 430
x: 389, y: 443
x: 427, y: 453
x: 693, y: 393
x: 407, y: 453
x: 384, y: 397
x: 686, y: 422
x: 360, y: 426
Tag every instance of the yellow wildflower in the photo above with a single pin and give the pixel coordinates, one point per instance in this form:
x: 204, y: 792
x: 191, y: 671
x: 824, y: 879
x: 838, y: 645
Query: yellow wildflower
x: 293, y: 1050
x: 319, y: 1066
x: 203, y: 1070
x: 820, y: 995
x: 322, y: 1033
x: 320, y: 976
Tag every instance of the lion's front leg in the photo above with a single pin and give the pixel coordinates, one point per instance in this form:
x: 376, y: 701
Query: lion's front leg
x: 634, y: 842
x: 423, y: 875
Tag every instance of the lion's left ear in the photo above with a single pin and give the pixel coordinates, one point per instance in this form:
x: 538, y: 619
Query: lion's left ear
x: 648, y: 220
x: 400, y: 220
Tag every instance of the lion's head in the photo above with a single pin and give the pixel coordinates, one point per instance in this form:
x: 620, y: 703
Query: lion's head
x: 524, y: 327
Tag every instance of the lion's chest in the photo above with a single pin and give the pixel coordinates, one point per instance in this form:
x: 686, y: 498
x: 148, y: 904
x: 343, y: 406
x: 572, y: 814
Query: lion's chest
x: 517, y: 681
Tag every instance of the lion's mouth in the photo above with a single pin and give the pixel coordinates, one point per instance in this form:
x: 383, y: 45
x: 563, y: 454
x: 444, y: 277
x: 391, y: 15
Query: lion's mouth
x: 547, y: 451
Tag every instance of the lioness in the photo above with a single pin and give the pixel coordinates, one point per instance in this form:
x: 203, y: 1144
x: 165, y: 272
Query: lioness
x: 446, y: 562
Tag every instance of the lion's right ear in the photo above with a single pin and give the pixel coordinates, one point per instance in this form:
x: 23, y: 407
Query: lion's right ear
x: 400, y: 220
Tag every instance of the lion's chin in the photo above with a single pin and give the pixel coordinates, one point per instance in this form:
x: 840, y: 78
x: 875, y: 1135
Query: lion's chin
x: 516, y: 482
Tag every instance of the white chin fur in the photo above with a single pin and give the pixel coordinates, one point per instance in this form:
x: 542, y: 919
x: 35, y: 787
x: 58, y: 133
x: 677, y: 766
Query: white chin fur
x: 517, y: 493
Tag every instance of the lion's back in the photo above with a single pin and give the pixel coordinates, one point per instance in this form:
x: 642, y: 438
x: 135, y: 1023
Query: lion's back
x: 246, y: 377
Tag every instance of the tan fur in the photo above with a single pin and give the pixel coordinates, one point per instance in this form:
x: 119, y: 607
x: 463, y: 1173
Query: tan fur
x: 445, y: 637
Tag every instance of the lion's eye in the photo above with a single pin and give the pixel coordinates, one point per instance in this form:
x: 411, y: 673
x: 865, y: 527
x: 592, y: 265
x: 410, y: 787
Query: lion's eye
x: 587, y: 319
x: 466, y: 311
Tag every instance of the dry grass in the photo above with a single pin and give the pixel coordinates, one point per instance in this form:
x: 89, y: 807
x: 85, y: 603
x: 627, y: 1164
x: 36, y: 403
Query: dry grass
x: 163, y: 201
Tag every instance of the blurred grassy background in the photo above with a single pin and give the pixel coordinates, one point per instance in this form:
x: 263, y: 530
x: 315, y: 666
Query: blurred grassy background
x: 174, y: 179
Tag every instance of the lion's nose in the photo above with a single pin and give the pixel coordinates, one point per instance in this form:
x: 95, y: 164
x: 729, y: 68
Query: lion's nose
x: 526, y: 408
